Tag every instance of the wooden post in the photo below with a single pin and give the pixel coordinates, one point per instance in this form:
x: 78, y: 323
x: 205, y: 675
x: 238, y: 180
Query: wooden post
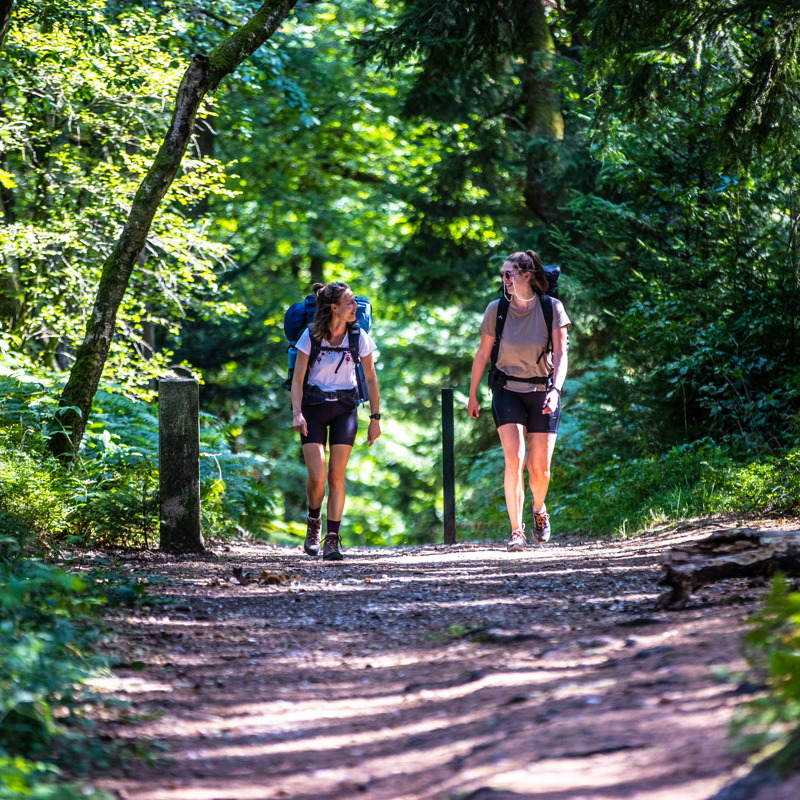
x: 179, y: 465
x: 448, y: 467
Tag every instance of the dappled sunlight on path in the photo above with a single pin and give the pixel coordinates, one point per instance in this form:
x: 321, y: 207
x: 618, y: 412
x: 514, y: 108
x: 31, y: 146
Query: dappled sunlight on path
x: 434, y: 672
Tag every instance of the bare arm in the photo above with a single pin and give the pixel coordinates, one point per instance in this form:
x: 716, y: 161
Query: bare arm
x: 371, y: 376
x: 482, y: 357
x: 560, y: 363
x: 298, y: 378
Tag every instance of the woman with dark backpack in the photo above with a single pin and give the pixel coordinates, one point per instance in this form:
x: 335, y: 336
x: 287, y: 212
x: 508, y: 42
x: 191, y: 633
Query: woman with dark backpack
x: 325, y: 398
x: 528, y: 371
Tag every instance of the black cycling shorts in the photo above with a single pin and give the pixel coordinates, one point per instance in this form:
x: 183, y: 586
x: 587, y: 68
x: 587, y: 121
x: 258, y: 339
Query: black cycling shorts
x: 341, y: 418
x: 524, y: 408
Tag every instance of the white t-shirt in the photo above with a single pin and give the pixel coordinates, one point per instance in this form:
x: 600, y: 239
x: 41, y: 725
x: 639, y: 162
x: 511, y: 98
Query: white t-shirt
x: 323, y: 373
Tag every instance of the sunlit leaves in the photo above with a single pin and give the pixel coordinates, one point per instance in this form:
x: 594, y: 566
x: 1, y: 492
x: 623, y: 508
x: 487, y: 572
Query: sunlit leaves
x: 80, y: 128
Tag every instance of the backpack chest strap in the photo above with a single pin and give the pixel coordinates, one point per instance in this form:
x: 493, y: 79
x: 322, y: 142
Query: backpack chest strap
x: 352, y: 347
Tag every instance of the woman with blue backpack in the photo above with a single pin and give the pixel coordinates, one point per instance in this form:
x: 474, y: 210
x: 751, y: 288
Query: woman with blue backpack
x: 326, y: 389
x: 524, y: 338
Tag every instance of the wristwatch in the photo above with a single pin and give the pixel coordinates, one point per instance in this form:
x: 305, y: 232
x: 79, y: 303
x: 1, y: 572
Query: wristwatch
x: 374, y: 416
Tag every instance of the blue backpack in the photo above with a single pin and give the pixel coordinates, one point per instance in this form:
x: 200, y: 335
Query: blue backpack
x: 299, y: 316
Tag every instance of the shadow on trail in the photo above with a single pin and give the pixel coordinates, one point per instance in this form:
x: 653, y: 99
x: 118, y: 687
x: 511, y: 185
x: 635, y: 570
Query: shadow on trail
x: 338, y: 687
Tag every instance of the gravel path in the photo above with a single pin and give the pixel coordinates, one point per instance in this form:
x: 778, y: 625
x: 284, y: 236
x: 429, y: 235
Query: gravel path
x: 434, y: 672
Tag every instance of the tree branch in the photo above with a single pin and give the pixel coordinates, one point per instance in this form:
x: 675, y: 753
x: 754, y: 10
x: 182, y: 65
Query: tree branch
x: 217, y: 17
x: 352, y: 174
x: 202, y: 76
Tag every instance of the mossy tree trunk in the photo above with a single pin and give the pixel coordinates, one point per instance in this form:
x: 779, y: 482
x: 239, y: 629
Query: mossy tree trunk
x: 6, y: 6
x: 541, y: 117
x: 202, y: 76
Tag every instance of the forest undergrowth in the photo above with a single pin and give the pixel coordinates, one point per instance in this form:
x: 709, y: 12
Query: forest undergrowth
x: 51, y: 626
x: 406, y: 148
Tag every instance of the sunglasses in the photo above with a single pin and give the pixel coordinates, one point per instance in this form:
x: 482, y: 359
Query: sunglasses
x: 508, y: 275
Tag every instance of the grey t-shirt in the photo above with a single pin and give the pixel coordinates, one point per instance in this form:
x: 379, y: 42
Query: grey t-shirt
x: 524, y: 340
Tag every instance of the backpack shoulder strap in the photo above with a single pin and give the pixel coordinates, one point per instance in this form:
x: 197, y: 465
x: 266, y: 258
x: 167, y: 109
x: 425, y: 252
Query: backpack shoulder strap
x: 316, y: 348
x: 502, y: 313
x: 354, y: 343
x: 547, y: 311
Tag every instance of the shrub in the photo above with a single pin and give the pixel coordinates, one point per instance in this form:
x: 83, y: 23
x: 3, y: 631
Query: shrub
x: 34, y: 494
x: 773, y: 652
x: 626, y: 496
x: 111, y: 497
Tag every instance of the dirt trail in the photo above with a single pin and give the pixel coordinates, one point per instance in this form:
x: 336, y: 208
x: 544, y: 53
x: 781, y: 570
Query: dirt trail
x: 358, y: 680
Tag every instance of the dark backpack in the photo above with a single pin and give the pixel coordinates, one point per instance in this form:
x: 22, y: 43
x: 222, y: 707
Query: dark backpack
x: 299, y: 316
x: 497, y: 378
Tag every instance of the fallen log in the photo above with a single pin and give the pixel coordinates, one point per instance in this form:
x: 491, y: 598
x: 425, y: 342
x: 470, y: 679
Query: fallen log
x: 732, y: 553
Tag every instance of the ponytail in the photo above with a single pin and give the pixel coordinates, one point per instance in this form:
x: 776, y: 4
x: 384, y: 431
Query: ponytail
x: 531, y: 263
x: 327, y: 294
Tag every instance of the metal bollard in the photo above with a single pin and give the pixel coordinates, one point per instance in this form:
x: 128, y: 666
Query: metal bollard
x: 448, y: 467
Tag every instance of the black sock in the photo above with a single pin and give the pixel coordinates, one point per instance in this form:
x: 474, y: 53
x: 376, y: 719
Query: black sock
x: 333, y: 525
x: 315, y: 513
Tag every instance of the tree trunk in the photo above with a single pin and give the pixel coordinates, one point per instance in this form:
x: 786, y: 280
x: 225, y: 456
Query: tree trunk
x: 6, y: 7
x: 735, y: 553
x: 541, y: 117
x: 316, y: 264
x: 202, y: 76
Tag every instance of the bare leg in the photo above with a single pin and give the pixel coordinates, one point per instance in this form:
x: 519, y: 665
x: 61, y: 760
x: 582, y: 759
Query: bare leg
x: 314, y: 454
x: 540, y: 454
x: 512, y: 437
x: 340, y: 454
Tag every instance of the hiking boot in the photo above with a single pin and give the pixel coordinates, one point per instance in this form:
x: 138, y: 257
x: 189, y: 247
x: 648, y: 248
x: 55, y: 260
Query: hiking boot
x: 313, y: 528
x: 330, y: 547
x: 541, y: 526
x: 518, y: 540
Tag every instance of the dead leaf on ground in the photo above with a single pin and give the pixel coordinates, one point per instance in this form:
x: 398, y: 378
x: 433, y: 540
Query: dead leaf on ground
x: 242, y: 578
x: 277, y: 578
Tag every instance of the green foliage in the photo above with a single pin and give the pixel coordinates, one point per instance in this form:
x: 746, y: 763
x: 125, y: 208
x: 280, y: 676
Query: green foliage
x: 626, y: 496
x: 31, y: 492
x: 773, y: 652
x: 406, y: 148
x: 45, y: 657
x: 111, y: 497
x: 37, y: 780
x: 647, y: 61
x: 85, y: 94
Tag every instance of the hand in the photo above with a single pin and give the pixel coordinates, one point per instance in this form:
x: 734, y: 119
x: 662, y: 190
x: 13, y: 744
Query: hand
x: 374, y: 431
x: 299, y: 423
x: 550, y: 402
x: 473, y: 409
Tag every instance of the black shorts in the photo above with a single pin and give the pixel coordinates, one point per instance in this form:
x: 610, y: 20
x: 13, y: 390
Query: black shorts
x: 524, y: 408
x: 340, y: 417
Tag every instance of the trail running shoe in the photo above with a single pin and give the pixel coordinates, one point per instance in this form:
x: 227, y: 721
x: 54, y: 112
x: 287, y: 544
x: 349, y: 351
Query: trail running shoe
x: 541, y: 526
x: 518, y: 540
x: 330, y: 547
x: 313, y: 528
